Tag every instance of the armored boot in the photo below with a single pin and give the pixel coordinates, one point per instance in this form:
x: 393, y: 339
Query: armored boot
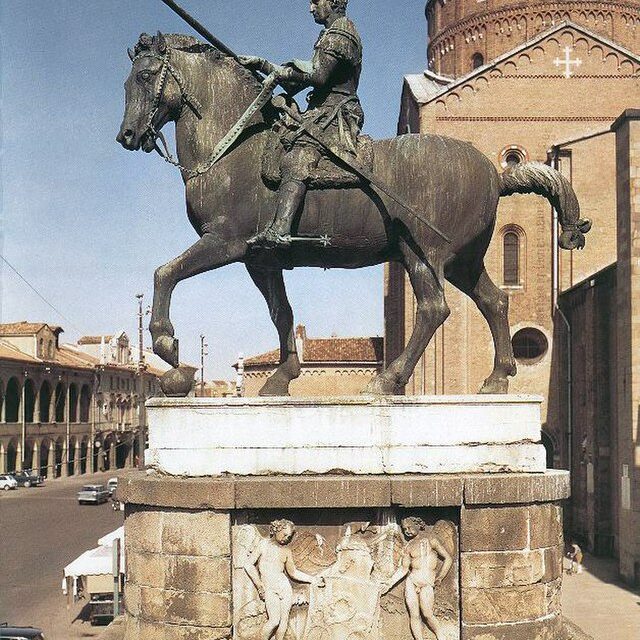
x: 278, y: 233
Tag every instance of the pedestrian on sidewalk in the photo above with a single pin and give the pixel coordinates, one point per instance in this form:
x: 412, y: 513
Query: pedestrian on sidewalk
x: 575, y: 555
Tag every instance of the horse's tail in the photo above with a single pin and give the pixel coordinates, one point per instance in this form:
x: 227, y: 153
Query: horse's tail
x: 538, y: 178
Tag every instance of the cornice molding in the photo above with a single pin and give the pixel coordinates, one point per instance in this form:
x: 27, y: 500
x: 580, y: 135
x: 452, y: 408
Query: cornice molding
x: 529, y: 11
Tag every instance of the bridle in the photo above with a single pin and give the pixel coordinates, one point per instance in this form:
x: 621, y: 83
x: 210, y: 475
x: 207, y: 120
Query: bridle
x: 186, y: 98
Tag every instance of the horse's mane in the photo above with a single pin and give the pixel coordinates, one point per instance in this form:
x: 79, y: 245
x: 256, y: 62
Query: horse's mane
x: 191, y: 44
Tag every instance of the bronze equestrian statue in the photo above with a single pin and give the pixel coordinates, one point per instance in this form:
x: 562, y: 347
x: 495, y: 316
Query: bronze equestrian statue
x: 224, y: 126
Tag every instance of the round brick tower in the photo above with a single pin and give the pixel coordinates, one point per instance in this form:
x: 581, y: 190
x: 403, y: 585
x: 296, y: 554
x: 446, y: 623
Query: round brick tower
x: 465, y: 34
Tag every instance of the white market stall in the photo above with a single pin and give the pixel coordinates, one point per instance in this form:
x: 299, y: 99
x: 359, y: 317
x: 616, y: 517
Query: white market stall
x: 91, y: 575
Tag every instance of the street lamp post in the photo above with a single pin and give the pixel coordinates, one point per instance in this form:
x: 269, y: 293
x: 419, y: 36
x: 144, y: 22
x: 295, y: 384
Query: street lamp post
x: 140, y: 375
x: 23, y: 419
x: 64, y: 472
x: 97, y: 382
x: 203, y: 353
x: 140, y: 296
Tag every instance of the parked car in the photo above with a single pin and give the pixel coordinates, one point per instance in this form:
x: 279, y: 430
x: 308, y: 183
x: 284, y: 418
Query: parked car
x: 20, y: 633
x: 27, y: 478
x: 112, y: 485
x: 8, y: 482
x: 93, y: 493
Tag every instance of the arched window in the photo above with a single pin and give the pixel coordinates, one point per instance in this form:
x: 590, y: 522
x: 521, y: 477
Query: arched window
x: 477, y: 60
x: 12, y: 401
x: 83, y: 455
x: 85, y: 403
x: 73, y: 403
x: 60, y: 402
x: 29, y: 400
x: 511, y: 259
x: 45, y: 401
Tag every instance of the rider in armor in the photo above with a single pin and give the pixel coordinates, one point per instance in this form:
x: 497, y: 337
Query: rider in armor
x: 334, y: 107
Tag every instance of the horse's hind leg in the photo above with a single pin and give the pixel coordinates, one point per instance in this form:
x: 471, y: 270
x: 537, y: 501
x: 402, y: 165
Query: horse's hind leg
x: 431, y: 312
x: 493, y: 303
x: 271, y: 285
x: 208, y: 253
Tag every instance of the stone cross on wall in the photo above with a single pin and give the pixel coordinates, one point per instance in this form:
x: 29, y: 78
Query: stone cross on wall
x: 567, y: 62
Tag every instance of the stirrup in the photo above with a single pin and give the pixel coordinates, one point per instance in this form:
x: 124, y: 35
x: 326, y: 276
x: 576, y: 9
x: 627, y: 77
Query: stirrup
x: 269, y: 239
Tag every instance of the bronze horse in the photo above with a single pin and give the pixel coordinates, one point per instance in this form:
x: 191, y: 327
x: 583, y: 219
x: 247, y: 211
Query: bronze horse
x: 177, y: 78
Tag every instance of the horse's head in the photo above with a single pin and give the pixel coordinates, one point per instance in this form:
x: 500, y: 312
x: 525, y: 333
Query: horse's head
x: 154, y: 94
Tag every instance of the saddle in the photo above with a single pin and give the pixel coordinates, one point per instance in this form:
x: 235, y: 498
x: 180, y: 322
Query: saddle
x: 330, y: 172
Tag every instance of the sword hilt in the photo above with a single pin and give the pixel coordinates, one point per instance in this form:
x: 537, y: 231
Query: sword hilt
x: 281, y: 103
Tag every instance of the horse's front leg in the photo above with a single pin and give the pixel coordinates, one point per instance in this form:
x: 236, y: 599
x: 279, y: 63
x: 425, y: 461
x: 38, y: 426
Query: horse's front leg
x: 210, y: 252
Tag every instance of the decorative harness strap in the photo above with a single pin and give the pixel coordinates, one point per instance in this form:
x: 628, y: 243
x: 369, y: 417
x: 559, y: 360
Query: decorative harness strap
x: 227, y: 141
x: 186, y: 97
x: 234, y: 133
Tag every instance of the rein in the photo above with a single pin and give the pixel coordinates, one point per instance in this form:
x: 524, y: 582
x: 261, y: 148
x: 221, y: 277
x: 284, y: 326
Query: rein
x: 230, y: 137
x: 185, y: 96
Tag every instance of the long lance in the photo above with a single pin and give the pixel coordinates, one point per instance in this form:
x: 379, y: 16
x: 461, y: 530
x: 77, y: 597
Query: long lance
x: 203, y: 31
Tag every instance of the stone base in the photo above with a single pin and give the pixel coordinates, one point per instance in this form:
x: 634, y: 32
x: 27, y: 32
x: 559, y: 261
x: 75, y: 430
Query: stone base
x: 186, y: 550
x: 359, y: 435
x: 117, y: 629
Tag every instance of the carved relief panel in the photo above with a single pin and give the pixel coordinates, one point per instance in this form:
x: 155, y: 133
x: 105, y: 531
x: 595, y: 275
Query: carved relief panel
x: 346, y: 574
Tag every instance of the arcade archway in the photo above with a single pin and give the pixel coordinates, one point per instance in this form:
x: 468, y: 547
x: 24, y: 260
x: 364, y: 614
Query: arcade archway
x: 12, y: 401
x: 12, y: 455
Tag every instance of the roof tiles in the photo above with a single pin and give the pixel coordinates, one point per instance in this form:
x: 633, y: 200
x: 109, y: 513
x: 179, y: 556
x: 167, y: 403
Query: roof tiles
x: 317, y: 350
x: 23, y: 328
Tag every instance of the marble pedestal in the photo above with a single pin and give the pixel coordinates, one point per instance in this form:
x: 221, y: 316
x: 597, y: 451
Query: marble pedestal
x: 192, y: 536
x: 355, y: 435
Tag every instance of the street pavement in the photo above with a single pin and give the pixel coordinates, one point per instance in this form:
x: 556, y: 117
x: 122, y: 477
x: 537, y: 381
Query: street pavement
x: 599, y: 603
x: 42, y: 529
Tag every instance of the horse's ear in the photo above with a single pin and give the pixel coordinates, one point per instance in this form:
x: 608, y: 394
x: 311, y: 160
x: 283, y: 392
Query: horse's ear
x: 131, y: 54
x: 145, y: 41
x: 161, y: 43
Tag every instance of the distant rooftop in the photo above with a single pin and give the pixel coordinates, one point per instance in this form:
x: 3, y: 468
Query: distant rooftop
x: 25, y: 328
x: 334, y: 349
x: 94, y: 339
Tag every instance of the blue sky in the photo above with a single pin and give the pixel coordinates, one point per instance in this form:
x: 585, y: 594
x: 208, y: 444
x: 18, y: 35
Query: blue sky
x: 86, y: 222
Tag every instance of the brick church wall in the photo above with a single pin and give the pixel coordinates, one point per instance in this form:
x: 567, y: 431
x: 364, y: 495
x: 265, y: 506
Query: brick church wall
x: 591, y: 311
x: 628, y: 344
x: 460, y: 29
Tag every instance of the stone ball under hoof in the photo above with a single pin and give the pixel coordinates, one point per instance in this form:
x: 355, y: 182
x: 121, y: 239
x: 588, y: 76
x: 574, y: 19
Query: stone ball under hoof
x: 176, y: 383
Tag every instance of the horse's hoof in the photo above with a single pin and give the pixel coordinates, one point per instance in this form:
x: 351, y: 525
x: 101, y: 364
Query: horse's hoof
x: 380, y: 387
x: 497, y: 385
x: 167, y: 348
x: 177, y: 383
x: 275, y: 386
